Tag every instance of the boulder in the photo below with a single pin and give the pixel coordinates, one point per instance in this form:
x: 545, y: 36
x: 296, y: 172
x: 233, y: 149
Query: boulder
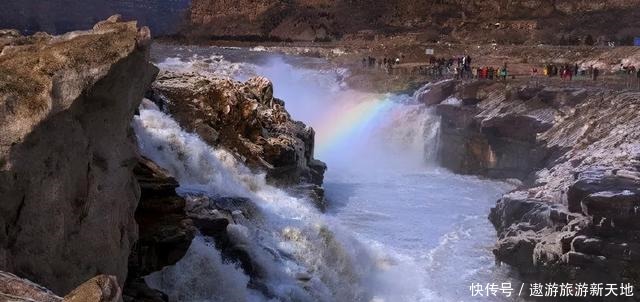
x: 101, y: 288
x: 436, y: 93
x: 245, y: 119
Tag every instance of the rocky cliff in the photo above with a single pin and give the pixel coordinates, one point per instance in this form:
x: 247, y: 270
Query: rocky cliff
x: 67, y: 152
x: 481, y: 21
x: 577, y: 151
x: 246, y: 119
x: 473, y: 21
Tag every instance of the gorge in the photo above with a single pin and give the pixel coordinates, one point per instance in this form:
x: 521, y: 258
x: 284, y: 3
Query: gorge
x: 198, y: 173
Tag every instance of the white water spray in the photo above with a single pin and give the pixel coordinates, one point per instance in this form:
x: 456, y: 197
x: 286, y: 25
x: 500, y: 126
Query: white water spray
x: 398, y: 229
x: 293, y: 239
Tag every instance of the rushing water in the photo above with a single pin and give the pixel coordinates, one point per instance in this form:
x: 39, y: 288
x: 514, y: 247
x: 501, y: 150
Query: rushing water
x: 398, y: 228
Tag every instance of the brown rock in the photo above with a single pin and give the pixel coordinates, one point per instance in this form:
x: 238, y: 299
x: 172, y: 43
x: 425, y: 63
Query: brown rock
x: 165, y: 230
x: 437, y: 93
x: 580, y: 211
x: 101, y: 288
x: 16, y: 289
x: 246, y: 119
x: 67, y: 190
x: 308, y: 20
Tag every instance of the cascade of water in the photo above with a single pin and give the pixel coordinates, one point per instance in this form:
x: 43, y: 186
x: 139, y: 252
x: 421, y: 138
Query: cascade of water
x: 395, y: 231
x: 291, y: 240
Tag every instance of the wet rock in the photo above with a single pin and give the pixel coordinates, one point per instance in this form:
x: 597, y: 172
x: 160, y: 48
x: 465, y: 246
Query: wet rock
x: 153, y: 179
x: 67, y: 153
x: 211, y: 227
x: 165, y: 230
x: 579, y: 213
x: 517, y: 250
x: 232, y: 204
x: 138, y: 291
x: 245, y: 119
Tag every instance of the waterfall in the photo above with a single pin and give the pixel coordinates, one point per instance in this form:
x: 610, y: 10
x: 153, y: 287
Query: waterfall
x: 394, y: 231
x: 305, y: 256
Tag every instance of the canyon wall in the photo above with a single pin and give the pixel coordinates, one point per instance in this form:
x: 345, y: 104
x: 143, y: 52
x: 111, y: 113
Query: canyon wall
x: 67, y: 153
x: 479, y: 21
x: 473, y: 21
x: 577, y: 151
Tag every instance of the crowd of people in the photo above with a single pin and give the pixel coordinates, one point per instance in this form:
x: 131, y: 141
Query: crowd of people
x: 631, y: 75
x: 459, y: 67
x: 567, y: 71
x: 381, y: 63
x: 491, y: 73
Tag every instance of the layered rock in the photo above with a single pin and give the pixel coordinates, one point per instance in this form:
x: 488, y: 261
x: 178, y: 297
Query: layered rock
x: 165, y: 230
x: 479, y: 21
x: 101, y: 288
x: 595, y: 178
x: 246, y: 119
x: 490, y: 130
x: 575, y: 217
x: 67, y: 191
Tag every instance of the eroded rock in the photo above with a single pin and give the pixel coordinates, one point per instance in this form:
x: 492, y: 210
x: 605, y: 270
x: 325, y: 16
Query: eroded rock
x: 165, y: 230
x: 67, y: 190
x: 245, y: 119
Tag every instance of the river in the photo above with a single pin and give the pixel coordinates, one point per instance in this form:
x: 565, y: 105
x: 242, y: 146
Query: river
x: 403, y: 229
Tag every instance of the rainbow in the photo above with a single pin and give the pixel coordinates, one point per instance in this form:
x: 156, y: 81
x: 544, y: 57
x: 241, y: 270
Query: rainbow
x: 346, y: 124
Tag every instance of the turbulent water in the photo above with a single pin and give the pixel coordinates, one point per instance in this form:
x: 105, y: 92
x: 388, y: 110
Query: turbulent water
x: 398, y: 228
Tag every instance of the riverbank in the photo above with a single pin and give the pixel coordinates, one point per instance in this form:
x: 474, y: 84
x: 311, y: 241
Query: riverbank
x: 412, y: 73
x: 228, y: 175
x: 576, y: 151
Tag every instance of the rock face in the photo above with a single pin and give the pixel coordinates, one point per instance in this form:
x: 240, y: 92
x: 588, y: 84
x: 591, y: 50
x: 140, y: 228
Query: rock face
x: 482, y: 21
x: 518, y: 21
x: 165, y: 230
x: 101, y: 288
x: 576, y: 216
x: 67, y: 191
x: 490, y: 130
x: 246, y: 119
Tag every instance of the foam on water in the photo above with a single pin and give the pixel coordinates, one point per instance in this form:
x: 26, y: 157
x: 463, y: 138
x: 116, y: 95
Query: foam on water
x: 289, y: 238
x: 398, y: 227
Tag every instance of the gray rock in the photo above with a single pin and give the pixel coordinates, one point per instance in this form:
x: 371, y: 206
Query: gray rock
x: 67, y: 190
